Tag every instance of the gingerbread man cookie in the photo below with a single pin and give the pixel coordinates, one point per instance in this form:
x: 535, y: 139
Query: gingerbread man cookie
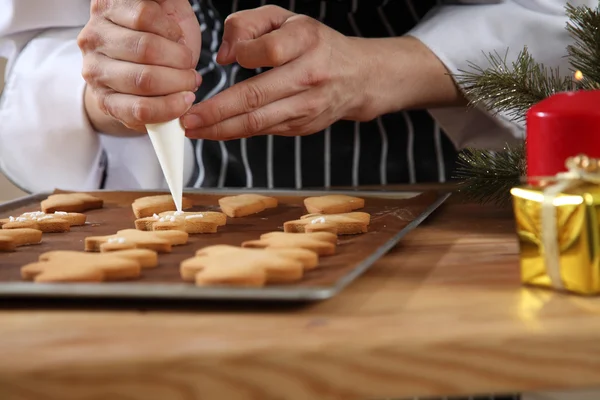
x: 71, y: 266
x: 191, y: 222
x: 148, y: 206
x: 238, y: 266
x: 246, y: 204
x: 333, y: 204
x: 146, y: 258
x: 10, y: 239
x: 322, y: 243
x: 159, y: 241
x: 345, y: 224
x: 59, y: 221
x: 71, y: 202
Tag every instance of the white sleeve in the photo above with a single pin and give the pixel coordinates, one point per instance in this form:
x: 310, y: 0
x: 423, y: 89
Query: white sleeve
x: 464, y: 34
x: 46, y: 141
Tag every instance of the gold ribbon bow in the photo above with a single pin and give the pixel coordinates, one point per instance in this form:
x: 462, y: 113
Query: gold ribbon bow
x: 579, y: 169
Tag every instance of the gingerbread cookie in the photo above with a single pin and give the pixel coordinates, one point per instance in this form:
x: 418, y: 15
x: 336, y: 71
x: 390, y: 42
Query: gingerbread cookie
x: 146, y: 258
x: 148, y: 206
x: 71, y: 202
x: 246, y: 204
x: 191, y: 222
x: 235, y: 267
x: 159, y: 241
x: 322, y: 243
x: 59, y: 221
x: 309, y: 259
x: 10, y: 239
x: 72, y: 266
x: 346, y: 224
x: 333, y: 204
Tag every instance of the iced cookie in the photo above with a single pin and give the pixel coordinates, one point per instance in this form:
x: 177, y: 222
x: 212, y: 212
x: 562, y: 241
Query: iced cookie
x: 71, y: 202
x: 10, y: 239
x: 246, y: 204
x: 322, y: 243
x: 191, y: 222
x: 159, y: 241
x: 346, y: 224
x: 150, y: 205
x: 333, y: 204
x: 58, y: 221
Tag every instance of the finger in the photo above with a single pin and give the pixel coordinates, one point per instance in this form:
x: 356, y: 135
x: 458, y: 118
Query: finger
x: 302, y: 109
x: 138, y: 47
x: 143, y: 80
x: 278, y: 47
x: 246, y: 96
x: 249, y: 24
x: 145, y: 16
x: 135, y: 111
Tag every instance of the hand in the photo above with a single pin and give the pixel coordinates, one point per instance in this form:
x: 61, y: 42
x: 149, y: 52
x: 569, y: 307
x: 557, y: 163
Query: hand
x: 139, y: 59
x: 319, y: 77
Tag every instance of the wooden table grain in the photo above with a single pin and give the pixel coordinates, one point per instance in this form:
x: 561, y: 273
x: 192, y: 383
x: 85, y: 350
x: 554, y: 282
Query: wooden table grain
x: 442, y: 314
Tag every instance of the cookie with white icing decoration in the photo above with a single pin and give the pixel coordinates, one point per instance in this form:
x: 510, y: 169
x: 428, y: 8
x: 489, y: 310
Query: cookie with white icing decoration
x: 58, y: 221
x: 190, y: 222
x: 159, y: 241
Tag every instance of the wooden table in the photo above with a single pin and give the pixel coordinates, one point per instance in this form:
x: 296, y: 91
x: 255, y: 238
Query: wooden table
x: 442, y: 314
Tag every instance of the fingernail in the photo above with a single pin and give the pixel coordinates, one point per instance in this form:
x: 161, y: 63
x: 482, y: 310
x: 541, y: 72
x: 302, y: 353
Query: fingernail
x: 181, y: 40
x: 191, y: 121
x: 224, y: 50
x: 189, y: 98
x: 198, y: 79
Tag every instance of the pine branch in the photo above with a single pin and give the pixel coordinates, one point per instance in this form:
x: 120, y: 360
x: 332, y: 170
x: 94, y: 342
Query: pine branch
x: 584, y: 53
x: 488, y: 176
x: 511, y: 89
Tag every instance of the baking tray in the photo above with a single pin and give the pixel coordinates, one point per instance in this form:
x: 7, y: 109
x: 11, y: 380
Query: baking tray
x: 394, y: 214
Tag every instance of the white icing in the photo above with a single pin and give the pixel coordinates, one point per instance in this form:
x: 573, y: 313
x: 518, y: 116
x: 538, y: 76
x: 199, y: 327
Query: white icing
x: 194, y: 216
x: 20, y: 219
x: 167, y: 219
x: 34, y: 214
x: 319, y: 220
x: 156, y: 216
x: 119, y: 240
x: 44, y: 218
x: 11, y: 219
x: 178, y: 213
x: 61, y: 213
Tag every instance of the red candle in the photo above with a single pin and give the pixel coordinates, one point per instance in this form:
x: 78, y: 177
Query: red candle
x: 562, y: 126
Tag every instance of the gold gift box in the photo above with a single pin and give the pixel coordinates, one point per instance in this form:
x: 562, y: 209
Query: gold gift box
x: 577, y: 237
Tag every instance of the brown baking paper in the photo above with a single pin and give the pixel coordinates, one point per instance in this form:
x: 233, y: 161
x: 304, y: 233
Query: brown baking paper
x: 388, y: 217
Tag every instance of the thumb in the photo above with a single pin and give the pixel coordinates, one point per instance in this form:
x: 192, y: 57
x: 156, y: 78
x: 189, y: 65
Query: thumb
x: 247, y: 25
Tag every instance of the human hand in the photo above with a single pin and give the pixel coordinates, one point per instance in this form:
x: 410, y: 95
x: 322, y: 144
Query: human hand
x: 319, y: 77
x: 139, y: 59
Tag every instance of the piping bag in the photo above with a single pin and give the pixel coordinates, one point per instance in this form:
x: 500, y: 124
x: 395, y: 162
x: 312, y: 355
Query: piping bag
x: 168, y: 140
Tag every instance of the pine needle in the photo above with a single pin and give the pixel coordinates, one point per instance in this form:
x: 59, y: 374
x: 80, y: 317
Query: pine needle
x: 584, y: 53
x: 488, y: 176
x: 513, y: 89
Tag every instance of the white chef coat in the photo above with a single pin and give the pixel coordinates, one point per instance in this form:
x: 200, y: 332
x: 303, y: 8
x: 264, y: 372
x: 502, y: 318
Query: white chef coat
x: 46, y: 140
